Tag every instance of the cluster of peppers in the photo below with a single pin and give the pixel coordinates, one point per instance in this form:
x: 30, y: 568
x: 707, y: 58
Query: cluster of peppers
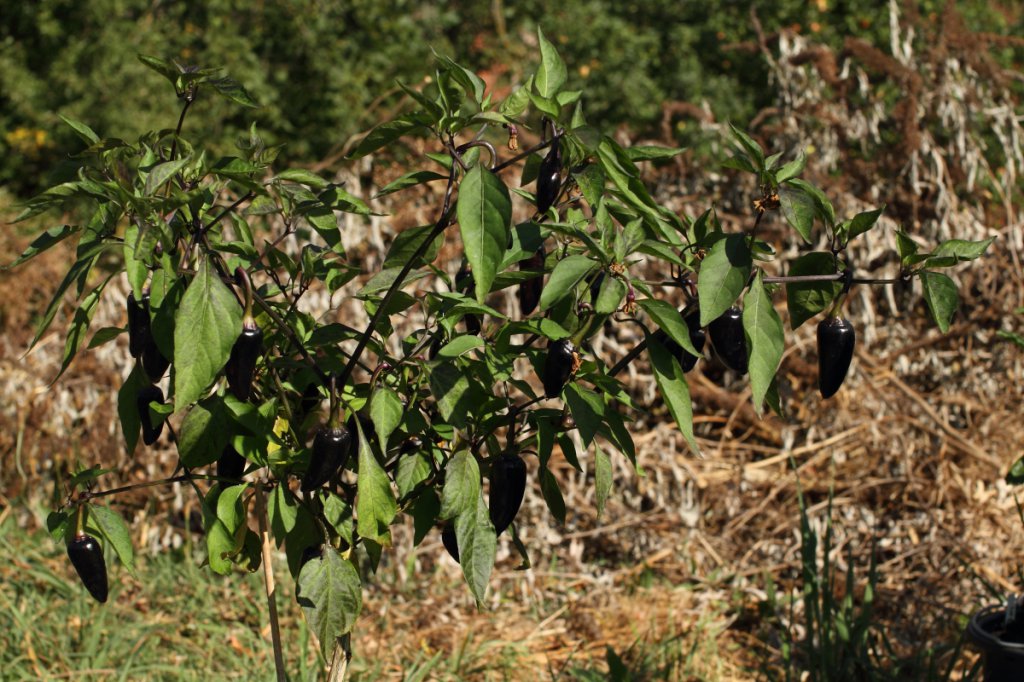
x: 84, y: 550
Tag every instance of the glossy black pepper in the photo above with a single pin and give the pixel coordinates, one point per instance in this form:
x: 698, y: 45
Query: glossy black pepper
x: 558, y: 366
x: 146, y: 395
x: 688, y: 360
x: 728, y: 339
x: 549, y: 177
x: 508, y: 484
x: 836, y: 339
x: 329, y: 455
x: 86, y: 556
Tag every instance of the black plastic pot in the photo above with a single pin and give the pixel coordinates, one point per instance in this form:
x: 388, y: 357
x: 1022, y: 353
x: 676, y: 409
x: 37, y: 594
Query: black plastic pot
x: 1001, y: 645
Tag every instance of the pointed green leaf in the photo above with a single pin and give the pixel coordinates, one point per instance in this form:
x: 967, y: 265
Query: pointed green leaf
x: 331, y: 597
x: 941, y: 295
x: 375, y: 501
x: 671, y: 322
x: 765, y: 339
x: 485, y: 216
x: 602, y: 477
x: 551, y: 73
x: 115, y: 530
x: 204, y: 433
x: 461, y: 485
x: 206, y: 326
x: 566, y: 274
x: 386, y: 412
x: 723, y: 275
x: 672, y: 385
x: 478, y: 545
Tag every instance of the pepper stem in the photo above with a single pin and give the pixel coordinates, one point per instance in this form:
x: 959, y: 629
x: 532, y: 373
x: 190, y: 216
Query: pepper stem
x: 80, y: 520
x: 242, y: 277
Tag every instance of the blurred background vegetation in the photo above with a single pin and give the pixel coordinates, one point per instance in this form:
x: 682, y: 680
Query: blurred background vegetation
x: 323, y: 71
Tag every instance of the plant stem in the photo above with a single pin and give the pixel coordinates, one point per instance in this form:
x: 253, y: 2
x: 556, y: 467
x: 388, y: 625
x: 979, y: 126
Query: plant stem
x: 268, y: 575
x: 152, y: 484
x: 339, y: 659
x: 442, y: 222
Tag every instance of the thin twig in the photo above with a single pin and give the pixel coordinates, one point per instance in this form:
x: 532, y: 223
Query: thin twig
x: 268, y: 575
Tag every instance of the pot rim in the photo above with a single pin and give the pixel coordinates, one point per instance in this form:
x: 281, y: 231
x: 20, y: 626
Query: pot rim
x: 981, y: 625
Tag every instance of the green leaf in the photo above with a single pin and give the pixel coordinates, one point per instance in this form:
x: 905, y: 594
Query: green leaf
x: 453, y: 392
x: 1016, y: 474
x: 223, y: 518
x: 671, y: 322
x: 43, y: 242
x: 941, y: 295
x: 752, y: 148
x: 587, y: 410
x: 962, y: 250
x: 551, y: 73
x: 461, y: 345
x: 823, y: 207
x: 653, y: 152
x: 905, y: 246
x: 283, y: 512
x: 602, y: 478
x: 723, y: 275
x: 83, y: 131
x: 116, y: 532
x: 375, y: 502
x: 383, y: 135
x: 206, y: 326
x: 798, y: 208
x: 609, y: 296
x: 765, y: 339
x: 303, y: 177
x: 410, y: 180
x: 552, y: 494
x: 478, y: 545
x: 413, y: 469
x: 203, y: 434
x: 791, y: 169
x: 485, y: 215
x: 461, y: 485
x: 79, y: 273
x: 806, y: 299
x: 862, y: 222
x: 566, y: 274
x: 386, y: 412
x: 127, y: 409
x: 233, y: 90
x: 331, y: 597
x: 80, y: 325
x: 673, y: 388
x: 163, y: 172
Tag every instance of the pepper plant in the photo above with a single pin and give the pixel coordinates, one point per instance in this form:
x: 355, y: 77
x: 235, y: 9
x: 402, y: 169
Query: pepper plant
x: 329, y: 433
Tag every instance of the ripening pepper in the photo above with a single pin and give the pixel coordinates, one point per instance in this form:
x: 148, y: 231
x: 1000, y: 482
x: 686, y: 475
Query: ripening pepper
x: 138, y: 324
x: 242, y: 362
x: 688, y: 360
x: 450, y: 541
x: 508, y: 484
x: 86, y: 556
x: 330, y: 453
x: 728, y: 339
x: 836, y: 339
x: 529, y: 290
x: 549, y: 177
x: 465, y: 283
x: 146, y: 395
x: 230, y: 464
x: 558, y: 367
